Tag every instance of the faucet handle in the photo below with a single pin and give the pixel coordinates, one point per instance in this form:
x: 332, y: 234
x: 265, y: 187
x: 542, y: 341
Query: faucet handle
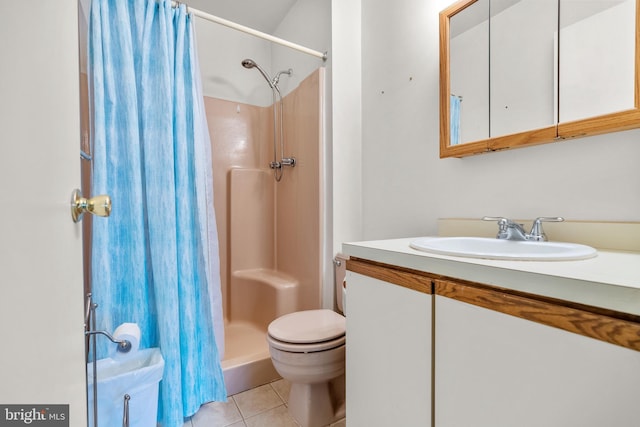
x: 503, y: 224
x: 502, y: 221
x: 537, y: 233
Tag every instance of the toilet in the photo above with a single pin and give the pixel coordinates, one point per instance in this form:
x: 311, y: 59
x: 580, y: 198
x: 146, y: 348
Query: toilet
x: 308, y: 349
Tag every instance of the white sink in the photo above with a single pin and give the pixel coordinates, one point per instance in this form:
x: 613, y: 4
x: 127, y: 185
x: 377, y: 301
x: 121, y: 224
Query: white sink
x: 480, y: 247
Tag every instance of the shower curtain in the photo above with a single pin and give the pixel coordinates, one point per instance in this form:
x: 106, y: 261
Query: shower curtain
x: 454, y: 106
x: 155, y: 259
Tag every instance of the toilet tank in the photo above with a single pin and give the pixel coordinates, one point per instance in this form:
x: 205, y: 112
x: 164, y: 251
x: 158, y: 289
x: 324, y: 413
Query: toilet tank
x: 340, y: 272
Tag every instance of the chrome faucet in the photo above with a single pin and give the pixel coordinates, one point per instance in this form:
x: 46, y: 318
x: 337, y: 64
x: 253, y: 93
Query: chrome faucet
x: 509, y: 230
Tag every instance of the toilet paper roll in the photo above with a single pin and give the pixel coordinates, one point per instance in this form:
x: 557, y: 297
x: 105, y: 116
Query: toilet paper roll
x: 129, y: 332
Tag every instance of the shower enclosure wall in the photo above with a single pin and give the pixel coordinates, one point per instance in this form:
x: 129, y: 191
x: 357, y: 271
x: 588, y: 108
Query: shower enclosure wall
x: 270, y: 232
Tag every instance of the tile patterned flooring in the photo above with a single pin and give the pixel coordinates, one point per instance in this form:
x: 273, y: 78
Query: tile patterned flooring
x: 264, y: 406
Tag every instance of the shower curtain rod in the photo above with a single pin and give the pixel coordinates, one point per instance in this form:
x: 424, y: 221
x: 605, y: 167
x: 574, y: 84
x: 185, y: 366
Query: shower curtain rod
x: 248, y: 30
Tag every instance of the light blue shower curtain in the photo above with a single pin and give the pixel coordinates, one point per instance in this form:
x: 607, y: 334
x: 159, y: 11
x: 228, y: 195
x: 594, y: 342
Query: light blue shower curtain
x: 155, y: 259
x: 454, y: 107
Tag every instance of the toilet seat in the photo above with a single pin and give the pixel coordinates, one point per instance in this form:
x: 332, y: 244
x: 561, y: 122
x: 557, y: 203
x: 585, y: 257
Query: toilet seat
x: 306, y: 348
x: 308, y: 331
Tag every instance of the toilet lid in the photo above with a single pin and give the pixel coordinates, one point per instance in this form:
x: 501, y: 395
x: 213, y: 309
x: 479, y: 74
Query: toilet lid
x: 308, y: 326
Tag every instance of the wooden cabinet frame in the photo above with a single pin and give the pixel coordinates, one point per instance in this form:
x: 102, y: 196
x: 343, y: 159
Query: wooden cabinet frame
x: 614, y: 122
x: 616, y: 328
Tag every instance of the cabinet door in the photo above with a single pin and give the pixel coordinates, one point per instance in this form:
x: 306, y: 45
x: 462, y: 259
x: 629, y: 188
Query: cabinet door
x: 388, y: 354
x: 497, y: 370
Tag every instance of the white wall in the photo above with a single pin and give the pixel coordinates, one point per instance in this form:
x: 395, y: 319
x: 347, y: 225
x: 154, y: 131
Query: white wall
x: 308, y: 23
x: 401, y: 191
x: 220, y: 52
x: 406, y: 187
x: 347, y: 122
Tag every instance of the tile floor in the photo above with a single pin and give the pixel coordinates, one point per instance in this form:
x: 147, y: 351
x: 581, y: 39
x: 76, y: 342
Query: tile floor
x: 264, y: 406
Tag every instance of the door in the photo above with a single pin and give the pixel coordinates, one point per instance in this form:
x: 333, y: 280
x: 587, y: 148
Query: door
x: 41, y: 293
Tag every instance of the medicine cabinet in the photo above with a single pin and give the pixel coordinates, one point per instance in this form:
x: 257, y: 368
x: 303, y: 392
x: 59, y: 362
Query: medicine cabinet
x: 516, y: 73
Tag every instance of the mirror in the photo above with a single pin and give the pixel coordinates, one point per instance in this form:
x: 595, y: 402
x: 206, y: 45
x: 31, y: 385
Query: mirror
x: 515, y: 73
x: 522, y: 72
x: 469, y: 74
x: 597, y: 53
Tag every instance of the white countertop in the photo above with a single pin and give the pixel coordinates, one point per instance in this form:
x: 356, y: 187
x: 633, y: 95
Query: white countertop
x: 611, y: 280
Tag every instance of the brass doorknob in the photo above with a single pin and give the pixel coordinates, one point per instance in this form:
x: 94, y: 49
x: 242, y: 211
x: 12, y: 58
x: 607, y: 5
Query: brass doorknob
x: 98, y: 205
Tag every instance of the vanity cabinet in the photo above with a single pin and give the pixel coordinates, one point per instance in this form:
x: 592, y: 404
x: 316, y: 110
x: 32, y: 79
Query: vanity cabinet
x: 498, y: 365
x: 388, y: 348
x: 501, y: 358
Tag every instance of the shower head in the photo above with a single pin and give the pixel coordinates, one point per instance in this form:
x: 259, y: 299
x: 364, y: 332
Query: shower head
x: 250, y: 63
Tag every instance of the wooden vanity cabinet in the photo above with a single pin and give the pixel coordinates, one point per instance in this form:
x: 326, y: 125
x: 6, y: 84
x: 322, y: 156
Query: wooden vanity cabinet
x: 500, y: 358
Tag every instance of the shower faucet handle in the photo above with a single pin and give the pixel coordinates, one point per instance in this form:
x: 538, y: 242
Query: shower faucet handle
x: 288, y: 161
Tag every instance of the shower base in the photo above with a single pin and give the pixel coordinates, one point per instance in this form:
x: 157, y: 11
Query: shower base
x: 247, y: 362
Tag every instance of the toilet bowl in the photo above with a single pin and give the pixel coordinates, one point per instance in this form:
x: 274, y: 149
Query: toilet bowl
x: 308, y: 349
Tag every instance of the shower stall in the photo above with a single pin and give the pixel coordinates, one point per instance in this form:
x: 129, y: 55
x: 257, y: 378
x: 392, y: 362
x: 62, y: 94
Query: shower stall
x: 268, y: 190
x: 269, y: 229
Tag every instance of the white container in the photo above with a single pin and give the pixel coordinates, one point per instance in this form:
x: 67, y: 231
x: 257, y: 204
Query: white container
x: 138, y: 376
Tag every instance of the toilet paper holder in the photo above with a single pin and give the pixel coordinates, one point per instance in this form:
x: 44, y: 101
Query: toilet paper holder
x: 124, y: 346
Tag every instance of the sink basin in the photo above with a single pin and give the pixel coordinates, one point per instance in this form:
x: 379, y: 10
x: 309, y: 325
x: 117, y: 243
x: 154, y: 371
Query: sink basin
x: 480, y: 247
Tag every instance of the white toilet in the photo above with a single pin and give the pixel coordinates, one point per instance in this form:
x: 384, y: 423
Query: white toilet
x: 308, y: 350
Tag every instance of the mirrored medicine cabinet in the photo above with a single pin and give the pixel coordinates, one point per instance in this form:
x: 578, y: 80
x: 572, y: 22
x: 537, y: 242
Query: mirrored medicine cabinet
x: 516, y: 73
